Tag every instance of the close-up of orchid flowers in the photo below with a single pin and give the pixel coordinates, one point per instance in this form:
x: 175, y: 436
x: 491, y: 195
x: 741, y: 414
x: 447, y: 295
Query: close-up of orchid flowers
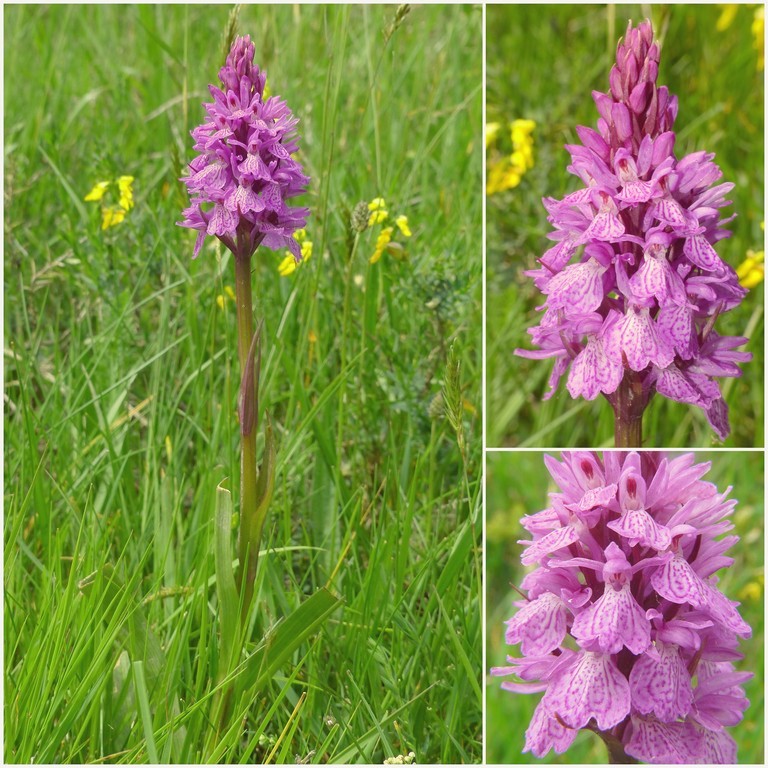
x: 635, y: 314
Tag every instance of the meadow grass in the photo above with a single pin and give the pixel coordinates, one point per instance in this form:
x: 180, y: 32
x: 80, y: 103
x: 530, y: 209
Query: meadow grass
x: 517, y: 484
x: 120, y: 405
x: 543, y: 64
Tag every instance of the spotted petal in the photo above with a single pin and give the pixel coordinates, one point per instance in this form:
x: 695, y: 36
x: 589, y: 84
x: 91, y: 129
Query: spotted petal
x: 638, y: 527
x: 538, y: 626
x: 594, y: 371
x: 699, y: 250
x: 678, y: 582
x: 614, y: 621
x: 550, y: 543
x: 592, y: 687
x: 660, y: 683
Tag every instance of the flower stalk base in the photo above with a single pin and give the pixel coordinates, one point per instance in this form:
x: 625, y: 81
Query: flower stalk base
x: 248, y: 544
x: 629, y: 403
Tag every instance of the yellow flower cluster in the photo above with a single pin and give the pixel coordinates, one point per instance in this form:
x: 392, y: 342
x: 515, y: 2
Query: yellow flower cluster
x: 506, y: 171
x: 111, y: 215
x: 288, y: 265
x: 378, y: 215
x: 751, y: 271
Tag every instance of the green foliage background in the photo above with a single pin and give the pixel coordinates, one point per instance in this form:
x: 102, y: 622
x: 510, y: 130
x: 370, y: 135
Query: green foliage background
x: 543, y: 63
x: 121, y: 388
x: 517, y: 485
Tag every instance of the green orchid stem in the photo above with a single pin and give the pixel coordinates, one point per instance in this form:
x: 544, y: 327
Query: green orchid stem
x: 248, y: 545
x: 628, y: 405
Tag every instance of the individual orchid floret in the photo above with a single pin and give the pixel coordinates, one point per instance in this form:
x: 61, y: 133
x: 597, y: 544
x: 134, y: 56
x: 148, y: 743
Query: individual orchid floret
x: 635, y: 252
x: 623, y: 627
x: 244, y: 172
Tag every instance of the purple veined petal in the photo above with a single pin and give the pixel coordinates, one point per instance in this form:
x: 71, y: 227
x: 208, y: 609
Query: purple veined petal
x: 271, y: 198
x: 614, y: 621
x: 592, y: 687
x: 559, y: 255
x: 717, y: 415
x: 699, y: 250
x: 717, y: 747
x: 278, y: 150
x: 213, y: 175
x: 724, y: 611
x: 677, y: 322
x: 550, y: 543
x: 222, y: 221
x: 593, y: 372
x: 637, y: 338
x: 243, y: 199
x: 671, y: 212
x: 578, y: 289
x: 606, y: 225
x: 597, y: 497
x: 661, y: 686
x: 545, y: 732
x: 657, y: 279
x: 255, y: 168
x: 677, y: 582
x: 579, y: 197
x: 673, y: 383
x: 198, y: 244
x: 539, y: 626
x: 636, y: 192
x: 655, y: 742
x: 638, y: 527
x: 558, y: 369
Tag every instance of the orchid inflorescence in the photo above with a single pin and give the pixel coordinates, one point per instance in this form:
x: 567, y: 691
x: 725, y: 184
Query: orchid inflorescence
x: 623, y: 627
x: 634, y: 314
x: 244, y: 172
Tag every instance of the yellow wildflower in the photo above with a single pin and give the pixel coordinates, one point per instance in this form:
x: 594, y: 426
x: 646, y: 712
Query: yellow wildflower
x: 111, y: 215
x: 507, y: 172
x: 378, y: 212
x: 381, y: 243
x: 492, y: 131
x: 758, y: 31
x: 220, y: 301
x: 727, y: 15
x: 377, y: 217
x: 376, y: 204
x: 125, y: 185
x: 402, y: 225
x: 228, y: 290
x: 97, y: 192
x: 751, y: 271
x: 502, y: 176
x: 287, y: 266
